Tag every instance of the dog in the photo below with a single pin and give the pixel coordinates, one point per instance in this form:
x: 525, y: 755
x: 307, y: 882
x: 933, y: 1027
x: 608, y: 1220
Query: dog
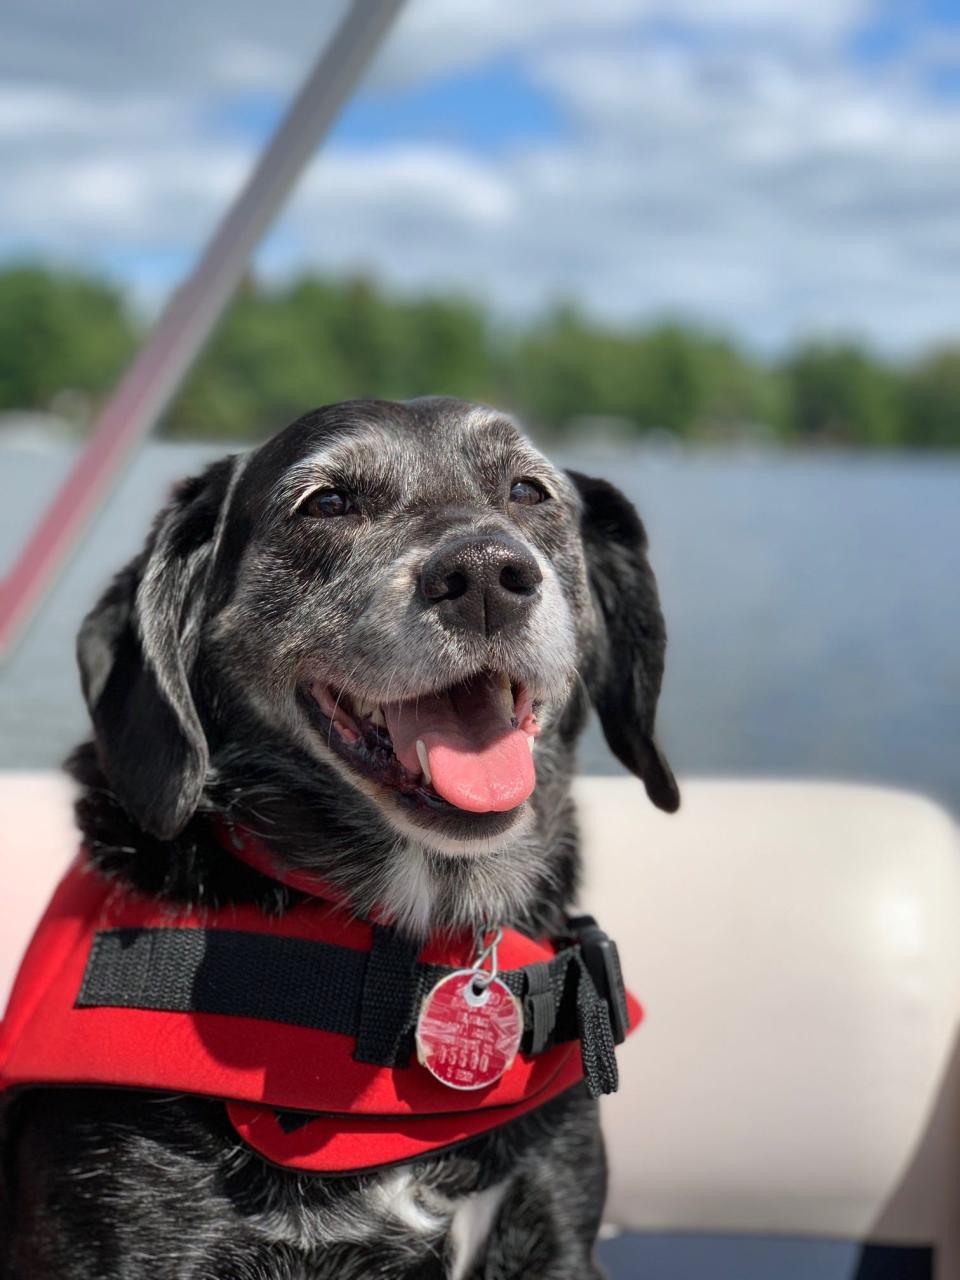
x: 318, y: 642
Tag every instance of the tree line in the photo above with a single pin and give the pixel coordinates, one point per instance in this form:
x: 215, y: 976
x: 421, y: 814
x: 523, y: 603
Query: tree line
x: 65, y: 337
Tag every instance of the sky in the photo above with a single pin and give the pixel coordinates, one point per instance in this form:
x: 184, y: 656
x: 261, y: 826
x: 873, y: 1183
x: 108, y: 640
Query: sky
x: 774, y: 169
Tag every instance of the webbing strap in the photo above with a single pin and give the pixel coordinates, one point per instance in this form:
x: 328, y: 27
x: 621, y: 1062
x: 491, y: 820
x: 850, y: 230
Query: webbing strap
x: 373, y: 996
x: 389, y: 1002
x: 228, y: 971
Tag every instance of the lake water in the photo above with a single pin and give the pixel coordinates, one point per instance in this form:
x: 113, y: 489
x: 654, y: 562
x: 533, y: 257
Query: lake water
x: 813, y: 604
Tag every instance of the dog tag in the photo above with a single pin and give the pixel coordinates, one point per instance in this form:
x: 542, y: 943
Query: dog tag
x: 469, y: 1030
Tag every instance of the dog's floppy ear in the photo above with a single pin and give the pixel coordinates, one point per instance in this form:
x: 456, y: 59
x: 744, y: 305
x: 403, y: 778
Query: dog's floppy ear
x: 136, y: 649
x: 625, y: 678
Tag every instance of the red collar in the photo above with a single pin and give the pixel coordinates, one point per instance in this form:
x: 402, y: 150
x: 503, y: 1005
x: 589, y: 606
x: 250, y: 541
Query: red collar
x: 248, y: 848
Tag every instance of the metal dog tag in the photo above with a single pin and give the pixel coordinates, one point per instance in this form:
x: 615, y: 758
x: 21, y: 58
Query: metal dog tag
x: 469, y: 1029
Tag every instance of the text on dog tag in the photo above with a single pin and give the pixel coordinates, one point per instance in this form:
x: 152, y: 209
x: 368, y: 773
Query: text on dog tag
x: 469, y: 1030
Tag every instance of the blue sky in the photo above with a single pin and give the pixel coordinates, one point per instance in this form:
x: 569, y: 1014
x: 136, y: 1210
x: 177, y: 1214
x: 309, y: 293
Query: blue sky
x: 495, y: 105
x: 769, y: 169
x: 486, y: 109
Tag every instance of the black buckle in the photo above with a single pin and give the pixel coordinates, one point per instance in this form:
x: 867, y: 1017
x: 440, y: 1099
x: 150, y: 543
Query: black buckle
x: 600, y: 955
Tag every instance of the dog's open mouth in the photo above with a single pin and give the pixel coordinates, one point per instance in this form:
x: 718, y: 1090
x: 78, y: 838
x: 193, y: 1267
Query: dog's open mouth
x: 469, y: 745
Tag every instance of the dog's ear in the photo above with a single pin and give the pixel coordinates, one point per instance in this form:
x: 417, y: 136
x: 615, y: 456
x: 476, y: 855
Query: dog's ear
x: 136, y: 649
x: 625, y: 678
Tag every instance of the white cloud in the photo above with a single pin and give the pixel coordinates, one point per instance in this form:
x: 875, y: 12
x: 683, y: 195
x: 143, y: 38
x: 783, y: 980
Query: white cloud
x: 747, y: 174
x: 112, y: 45
x: 772, y: 196
x: 441, y: 36
x: 112, y: 48
x: 419, y: 179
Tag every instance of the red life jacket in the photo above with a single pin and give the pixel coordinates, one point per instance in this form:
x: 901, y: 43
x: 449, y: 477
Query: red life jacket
x: 300, y: 1023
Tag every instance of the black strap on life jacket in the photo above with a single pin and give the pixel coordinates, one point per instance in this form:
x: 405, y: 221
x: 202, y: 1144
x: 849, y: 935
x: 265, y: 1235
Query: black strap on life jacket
x: 373, y: 996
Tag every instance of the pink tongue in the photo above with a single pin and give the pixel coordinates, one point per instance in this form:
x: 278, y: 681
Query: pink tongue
x: 478, y: 760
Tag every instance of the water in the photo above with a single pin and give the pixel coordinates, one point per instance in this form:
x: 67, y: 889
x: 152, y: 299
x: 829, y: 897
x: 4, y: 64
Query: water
x: 812, y: 604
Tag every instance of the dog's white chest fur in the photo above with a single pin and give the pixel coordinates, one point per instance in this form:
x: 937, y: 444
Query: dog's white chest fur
x: 471, y: 1225
x: 466, y: 1222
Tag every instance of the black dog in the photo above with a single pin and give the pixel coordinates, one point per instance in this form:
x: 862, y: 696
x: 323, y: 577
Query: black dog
x: 315, y: 642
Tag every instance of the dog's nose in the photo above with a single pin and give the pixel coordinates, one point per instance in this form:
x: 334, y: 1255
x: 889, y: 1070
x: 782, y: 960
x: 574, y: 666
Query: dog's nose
x: 485, y: 584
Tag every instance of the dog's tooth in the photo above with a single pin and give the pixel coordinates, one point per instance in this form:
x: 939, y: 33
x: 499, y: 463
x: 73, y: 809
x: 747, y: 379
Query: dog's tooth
x: 424, y: 762
x: 531, y: 743
x: 378, y: 718
x: 506, y: 693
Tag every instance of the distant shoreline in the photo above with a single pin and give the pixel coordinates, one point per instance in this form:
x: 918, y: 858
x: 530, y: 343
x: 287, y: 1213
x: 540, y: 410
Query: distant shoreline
x: 316, y: 341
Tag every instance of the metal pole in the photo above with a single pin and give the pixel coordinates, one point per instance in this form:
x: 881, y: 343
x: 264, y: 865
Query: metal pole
x: 189, y: 315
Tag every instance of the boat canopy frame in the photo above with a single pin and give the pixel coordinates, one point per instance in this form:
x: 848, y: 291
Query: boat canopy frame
x: 170, y: 349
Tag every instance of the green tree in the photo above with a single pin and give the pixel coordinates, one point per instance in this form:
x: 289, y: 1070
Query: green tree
x: 669, y: 376
x: 268, y: 361
x: 931, y: 401
x: 59, y: 332
x: 737, y: 392
x: 449, y: 350
x: 281, y: 350
x: 561, y: 367
x: 838, y: 392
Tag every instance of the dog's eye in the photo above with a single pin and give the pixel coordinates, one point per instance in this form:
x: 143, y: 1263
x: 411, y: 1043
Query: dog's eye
x: 323, y: 503
x: 527, y: 492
